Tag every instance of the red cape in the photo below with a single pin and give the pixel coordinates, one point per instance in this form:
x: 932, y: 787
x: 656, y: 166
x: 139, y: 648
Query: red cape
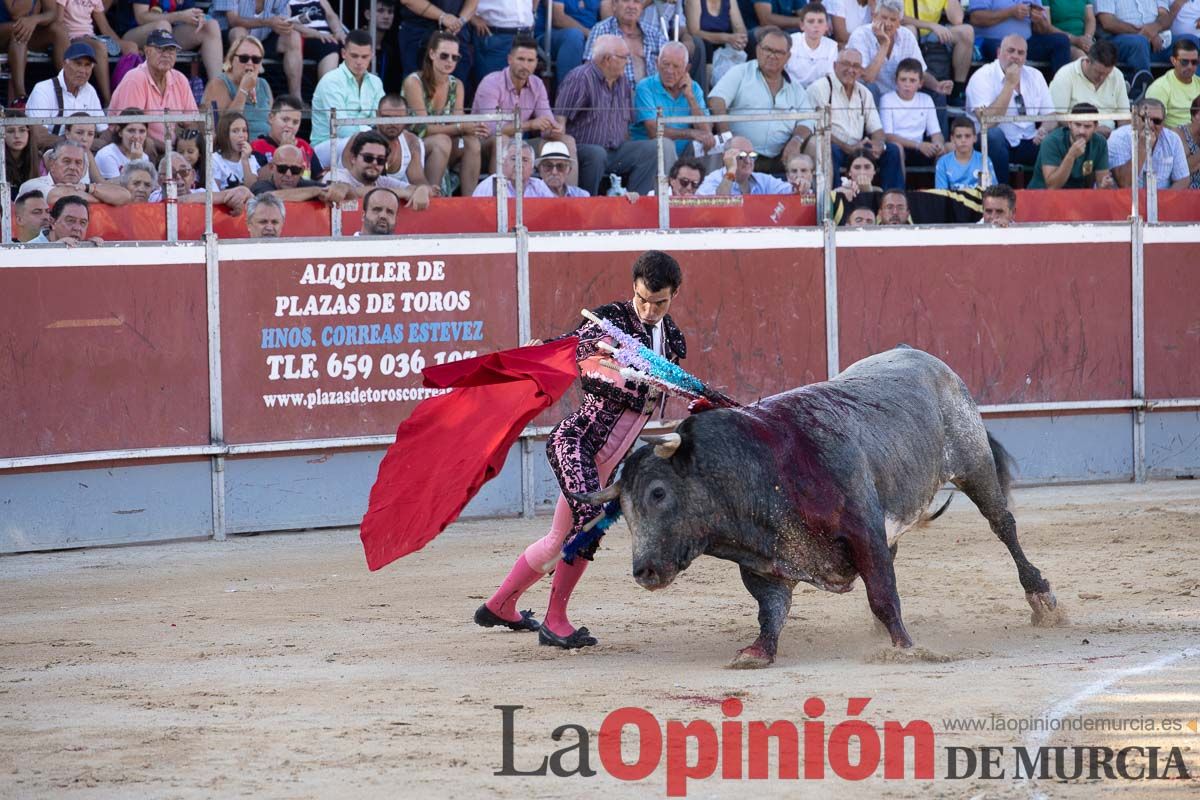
x: 456, y: 442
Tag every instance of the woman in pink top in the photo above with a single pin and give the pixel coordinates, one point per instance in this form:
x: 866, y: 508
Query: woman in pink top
x: 84, y: 19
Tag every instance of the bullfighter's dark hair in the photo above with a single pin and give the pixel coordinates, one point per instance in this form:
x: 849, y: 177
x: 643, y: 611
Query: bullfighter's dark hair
x: 659, y: 271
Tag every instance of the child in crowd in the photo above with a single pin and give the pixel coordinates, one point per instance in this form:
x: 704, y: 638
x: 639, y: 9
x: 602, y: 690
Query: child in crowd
x: 284, y: 119
x: 233, y: 161
x: 813, y: 53
x: 962, y: 168
x: 188, y: 146
x: 128, y: 144
x: 909, y: 117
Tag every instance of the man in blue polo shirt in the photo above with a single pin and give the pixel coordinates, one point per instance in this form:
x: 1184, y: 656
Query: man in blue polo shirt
x: 760, y: 86
x: 677, y: 95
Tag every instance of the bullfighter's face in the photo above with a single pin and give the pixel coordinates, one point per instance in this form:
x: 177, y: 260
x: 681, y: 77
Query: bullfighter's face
x: 651, y: 306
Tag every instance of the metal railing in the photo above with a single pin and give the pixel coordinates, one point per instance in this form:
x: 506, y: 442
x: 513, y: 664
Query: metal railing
x: 170, y: 191
x: 823, y: 165
x: 1121, y: 116
x: 498, y: 117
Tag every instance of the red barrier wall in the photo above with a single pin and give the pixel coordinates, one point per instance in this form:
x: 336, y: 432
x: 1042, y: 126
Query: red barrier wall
x: 112, y: 357
x: 1172, y: 280
x: 100, y: 358
x: 471, y: 215
x: 754, y: 319
x: 1020, y: 324
x: 286, y: 374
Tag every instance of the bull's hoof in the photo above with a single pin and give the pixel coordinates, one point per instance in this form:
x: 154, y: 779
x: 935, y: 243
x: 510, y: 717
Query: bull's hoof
x: 752, y: 658
x: 1047, y: 613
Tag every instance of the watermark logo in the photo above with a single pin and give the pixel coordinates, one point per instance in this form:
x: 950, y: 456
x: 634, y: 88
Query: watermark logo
x: 632, y: 744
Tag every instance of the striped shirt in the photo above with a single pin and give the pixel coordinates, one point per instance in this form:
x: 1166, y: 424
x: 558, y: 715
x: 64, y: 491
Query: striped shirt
x: 596, y: 113
x: 652, y: 42
x: 1170, y: 161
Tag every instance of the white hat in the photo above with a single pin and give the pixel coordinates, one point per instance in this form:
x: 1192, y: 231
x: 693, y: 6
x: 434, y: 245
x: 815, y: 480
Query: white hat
x: 554, y: 151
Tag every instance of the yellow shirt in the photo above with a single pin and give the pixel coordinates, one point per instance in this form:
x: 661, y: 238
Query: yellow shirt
x: 926, y: 10
x: 1176, y: 96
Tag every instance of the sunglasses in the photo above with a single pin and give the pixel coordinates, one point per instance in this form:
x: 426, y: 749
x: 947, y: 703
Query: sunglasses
x: 556, y: 166
x: 1157, y: 120
x: 291, y: 169
x: 246, y: 58
x: 687, y: 183
x: 747, y: 154
x: 1189, y: 62
x: 453, y: 57
x: 370, y: 159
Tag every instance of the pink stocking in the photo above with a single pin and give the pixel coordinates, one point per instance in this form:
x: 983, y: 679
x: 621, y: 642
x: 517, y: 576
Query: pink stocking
x: 504, y: 602
x: 543, y: 555
x: 565, y: 577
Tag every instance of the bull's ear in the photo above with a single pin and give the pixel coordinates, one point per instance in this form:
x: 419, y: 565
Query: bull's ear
x: 601, y: 497
x: 664, y: 446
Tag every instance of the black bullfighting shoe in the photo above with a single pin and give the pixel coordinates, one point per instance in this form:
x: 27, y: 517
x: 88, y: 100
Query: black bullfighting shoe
x: 489, y: 619
x: 580, y: 638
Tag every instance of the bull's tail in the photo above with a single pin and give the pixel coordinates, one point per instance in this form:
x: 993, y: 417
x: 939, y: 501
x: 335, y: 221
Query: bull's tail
x: 1005, y: 466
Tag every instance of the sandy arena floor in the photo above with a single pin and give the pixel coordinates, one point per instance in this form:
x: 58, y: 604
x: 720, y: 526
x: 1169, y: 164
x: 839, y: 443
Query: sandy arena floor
x: 277, y: 666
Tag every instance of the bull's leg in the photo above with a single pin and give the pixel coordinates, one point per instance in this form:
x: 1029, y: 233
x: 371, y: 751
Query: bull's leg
x: 871, y: 557
x: 984, y: 490
x: 774, y: 596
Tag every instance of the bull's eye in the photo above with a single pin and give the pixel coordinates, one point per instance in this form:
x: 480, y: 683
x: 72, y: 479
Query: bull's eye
x: 656, y: 495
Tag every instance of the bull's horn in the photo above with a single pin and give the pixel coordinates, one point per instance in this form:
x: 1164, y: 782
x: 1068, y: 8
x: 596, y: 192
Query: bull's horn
x: 664, y: 446
x: 601, y: 497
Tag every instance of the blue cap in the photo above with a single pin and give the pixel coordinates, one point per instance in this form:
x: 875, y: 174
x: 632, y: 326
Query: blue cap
x: 161, y: 38
x: 80, y: 50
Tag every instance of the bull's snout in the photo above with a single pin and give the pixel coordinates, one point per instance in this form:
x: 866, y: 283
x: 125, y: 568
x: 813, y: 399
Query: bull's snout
x: 653, y: 576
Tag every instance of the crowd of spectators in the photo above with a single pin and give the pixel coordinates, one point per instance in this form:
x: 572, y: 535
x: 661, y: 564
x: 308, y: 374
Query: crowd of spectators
x: 895, y: 75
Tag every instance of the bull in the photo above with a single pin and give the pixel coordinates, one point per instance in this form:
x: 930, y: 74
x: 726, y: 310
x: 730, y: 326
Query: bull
x: 817, y: 484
